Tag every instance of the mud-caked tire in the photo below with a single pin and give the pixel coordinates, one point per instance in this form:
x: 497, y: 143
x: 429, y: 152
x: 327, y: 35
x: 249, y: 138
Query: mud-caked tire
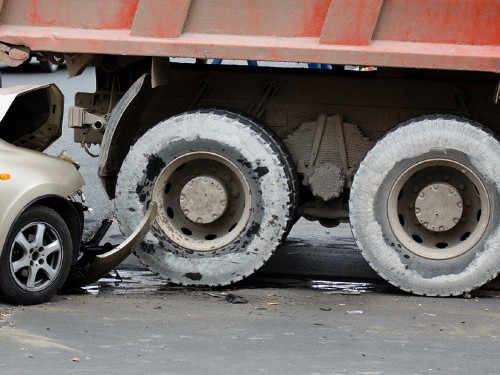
x: 425, y: 206
x: 226, y: 190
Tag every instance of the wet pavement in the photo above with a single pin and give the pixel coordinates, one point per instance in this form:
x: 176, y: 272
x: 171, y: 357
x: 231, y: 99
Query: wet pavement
x: 334, y: 317
x: 313, y: 257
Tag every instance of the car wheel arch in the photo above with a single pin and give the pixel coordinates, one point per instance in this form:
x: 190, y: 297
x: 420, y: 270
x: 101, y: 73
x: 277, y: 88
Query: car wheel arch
x: 72, y: 214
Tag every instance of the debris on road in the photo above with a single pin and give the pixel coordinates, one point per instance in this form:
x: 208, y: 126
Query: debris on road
x: 232, y: 298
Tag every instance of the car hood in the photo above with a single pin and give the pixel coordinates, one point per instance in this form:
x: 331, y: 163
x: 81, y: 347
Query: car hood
x: 31, y: 115
x: 28, y: 168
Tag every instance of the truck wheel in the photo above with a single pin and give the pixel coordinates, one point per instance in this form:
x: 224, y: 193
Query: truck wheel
x: 226, y: 191
x: 36, y: 257
x: 424, y: 206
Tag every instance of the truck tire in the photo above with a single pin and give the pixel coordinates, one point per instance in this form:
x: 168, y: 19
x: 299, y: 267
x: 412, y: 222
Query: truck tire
x: 226, y: 191
x: 36, y: 257
x: 424, y: 206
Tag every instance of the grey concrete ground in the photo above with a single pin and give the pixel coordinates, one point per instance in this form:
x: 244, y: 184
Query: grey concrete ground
x: 341, y: 320
x: 316, y: 309
x: 280, y: 331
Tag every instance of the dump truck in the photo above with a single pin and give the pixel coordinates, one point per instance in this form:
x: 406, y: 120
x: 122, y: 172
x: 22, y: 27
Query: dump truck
x: 233, y: 155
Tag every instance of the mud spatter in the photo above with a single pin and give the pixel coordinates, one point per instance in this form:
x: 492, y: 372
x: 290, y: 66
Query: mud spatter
x: 148, y: 248
x: 261, y: 171
x: 195, y: 276
x: 153, y: 169
x: 253, y: 230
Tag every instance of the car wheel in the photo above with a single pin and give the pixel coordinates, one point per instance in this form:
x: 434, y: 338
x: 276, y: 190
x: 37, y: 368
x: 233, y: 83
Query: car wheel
x: 424, y: 206
x: 226, y: 192
x: 36, y: 257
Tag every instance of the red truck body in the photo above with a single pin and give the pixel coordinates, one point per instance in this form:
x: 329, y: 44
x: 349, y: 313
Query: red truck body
x: 442, y: 34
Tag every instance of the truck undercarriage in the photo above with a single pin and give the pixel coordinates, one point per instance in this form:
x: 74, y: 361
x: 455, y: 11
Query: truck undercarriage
x: 326, y: 121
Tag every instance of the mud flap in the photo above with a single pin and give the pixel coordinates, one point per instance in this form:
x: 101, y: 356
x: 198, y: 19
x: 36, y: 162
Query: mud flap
x: 105, y: 263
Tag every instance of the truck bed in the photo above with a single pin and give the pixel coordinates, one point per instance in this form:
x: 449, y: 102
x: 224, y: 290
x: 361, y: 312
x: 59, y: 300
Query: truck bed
x: 436, y: 34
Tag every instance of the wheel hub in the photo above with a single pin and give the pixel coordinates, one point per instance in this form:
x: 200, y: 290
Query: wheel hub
x: 204, y: 199
x: 438, y: 207
x: 36, y: 256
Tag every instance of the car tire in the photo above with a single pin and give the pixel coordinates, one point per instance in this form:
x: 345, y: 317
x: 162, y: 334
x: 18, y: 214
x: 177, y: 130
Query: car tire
x: 36, y: 257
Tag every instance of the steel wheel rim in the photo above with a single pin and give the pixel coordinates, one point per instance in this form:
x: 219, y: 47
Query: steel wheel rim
x: 36, y: 256
x: 435, y: 230
x: 215, y: 220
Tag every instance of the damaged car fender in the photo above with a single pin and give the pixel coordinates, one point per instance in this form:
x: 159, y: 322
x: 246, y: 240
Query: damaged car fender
x: 28, y: 176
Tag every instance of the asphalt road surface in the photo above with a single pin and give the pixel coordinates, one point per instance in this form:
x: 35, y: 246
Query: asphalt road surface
x: 315, y: 308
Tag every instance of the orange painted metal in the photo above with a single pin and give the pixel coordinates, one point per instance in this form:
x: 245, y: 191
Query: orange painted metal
x: 149, y: 22
x: 462, y: 22
x: 441, y: 34
x: 272, y: 18
x: 98, y: 15
x: 351, y: 22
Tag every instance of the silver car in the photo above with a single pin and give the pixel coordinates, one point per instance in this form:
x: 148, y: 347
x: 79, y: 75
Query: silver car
x: 41, y: 221
x: 41, y: 215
